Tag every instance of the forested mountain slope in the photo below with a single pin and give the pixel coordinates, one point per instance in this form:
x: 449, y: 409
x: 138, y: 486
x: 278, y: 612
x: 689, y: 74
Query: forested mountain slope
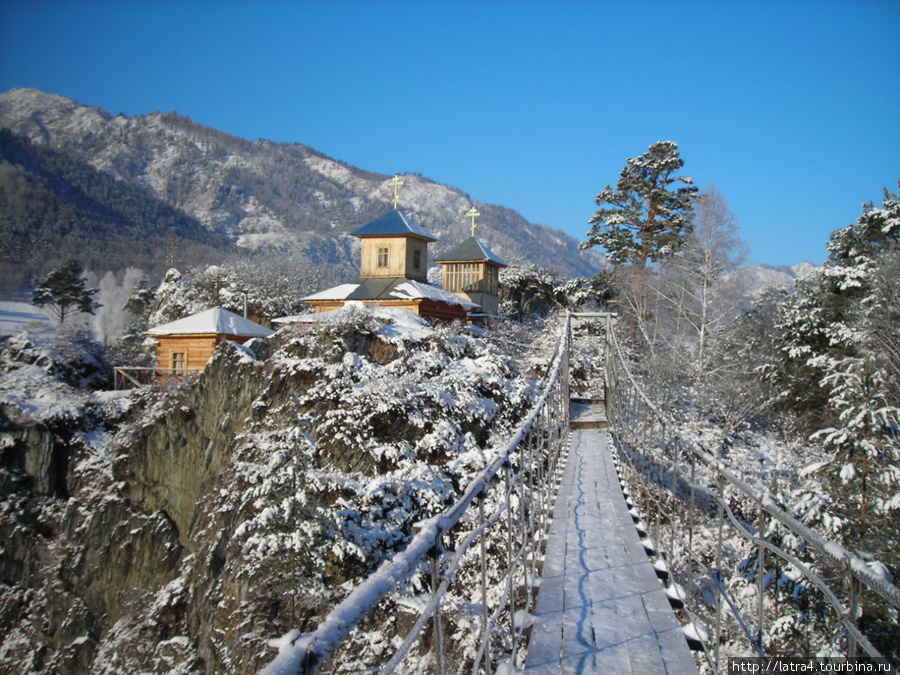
x: 53, y: 205
x: 247, y: 195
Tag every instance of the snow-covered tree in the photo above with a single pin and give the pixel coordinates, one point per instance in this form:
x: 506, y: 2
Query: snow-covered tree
x: 527, y: 289
x: 695, y: 285
x: 845, y: 311
x: 644, y: 219
x: 866, y: 440
x: 647, y: 216
x: 583, y: 291
x: 131, y: 349
x: 271, y: 285
x: 65, y: 290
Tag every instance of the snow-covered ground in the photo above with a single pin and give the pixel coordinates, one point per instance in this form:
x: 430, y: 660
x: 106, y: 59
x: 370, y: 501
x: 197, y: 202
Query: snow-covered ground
x: 16, y: 315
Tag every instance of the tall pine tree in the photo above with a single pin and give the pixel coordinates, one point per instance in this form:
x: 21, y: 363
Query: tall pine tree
x: 647, y: 216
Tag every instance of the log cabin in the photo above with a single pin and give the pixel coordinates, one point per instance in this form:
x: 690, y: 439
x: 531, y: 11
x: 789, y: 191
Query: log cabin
x: 188, y: 344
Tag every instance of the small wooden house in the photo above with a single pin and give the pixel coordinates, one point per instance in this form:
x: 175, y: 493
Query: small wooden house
x: 394, y: 273
x: 472, y: 271
x: 188, y: 344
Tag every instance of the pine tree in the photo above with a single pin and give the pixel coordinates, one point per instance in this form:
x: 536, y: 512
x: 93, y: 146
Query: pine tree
x: 64, y: 289
x: 647, y: 219
x: 865, y: 440
x: 847, y: 310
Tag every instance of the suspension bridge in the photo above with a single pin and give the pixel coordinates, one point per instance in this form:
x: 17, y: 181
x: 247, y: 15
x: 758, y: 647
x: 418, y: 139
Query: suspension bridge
x: 601, y: 607
x: 594, y: 531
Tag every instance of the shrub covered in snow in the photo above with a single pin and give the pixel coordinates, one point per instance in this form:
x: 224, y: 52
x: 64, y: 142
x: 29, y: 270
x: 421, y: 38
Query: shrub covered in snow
x: 247, y: 500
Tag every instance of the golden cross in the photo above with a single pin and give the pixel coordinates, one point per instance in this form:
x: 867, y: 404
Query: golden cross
x: 471, y: 214
x: 396, y: 183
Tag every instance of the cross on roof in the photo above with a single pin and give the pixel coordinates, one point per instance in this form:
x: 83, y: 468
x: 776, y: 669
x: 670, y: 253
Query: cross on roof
x: 395, y: 183
x: 471, y: 214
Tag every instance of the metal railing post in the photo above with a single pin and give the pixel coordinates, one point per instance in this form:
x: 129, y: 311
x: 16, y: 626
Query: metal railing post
x: 434, y: 554
x: 853, y: 611
x: 510, y: 564
x: 721, y: 519
x: 761, y: 573
x: 484, y: 594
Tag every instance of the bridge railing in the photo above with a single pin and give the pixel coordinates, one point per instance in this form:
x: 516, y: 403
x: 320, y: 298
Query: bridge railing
x: 130, y: 377
x: 501, y: 519
x: 680, y: 488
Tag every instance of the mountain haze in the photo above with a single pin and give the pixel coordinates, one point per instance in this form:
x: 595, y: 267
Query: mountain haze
x: 249, y: 196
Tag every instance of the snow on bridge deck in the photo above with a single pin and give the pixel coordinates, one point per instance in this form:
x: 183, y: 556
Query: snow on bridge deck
x: 600, y: 608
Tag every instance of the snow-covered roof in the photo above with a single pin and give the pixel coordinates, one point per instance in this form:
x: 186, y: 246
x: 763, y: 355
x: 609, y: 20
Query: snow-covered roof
x: 215, y: 321
x: 340, y: 292
x: 391, y: 288
x: 470, y: 249
x: 393, y: 223
x: 411, y: 289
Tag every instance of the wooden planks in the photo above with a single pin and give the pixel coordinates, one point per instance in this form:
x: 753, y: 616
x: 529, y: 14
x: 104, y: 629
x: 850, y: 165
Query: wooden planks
x: 600, y: 608
x: 586, y: 414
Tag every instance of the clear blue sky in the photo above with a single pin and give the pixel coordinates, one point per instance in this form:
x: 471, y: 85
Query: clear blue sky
x: 792, y: 109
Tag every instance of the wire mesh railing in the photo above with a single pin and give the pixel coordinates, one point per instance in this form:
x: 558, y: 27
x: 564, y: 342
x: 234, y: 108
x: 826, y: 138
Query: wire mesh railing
x: 688, y: 498
x: 475, y: 618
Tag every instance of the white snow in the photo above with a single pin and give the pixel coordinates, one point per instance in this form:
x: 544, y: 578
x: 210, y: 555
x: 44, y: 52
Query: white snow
x: 880, y: 571
x: 39, y: 395
x: 696, y: 631
x: 411, y: 289
x: 848, y: 473
x: 212, y: 321
x: 16, y: 315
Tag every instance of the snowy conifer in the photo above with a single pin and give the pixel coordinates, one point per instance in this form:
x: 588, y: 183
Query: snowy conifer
x: 64, y: 290
x: 647, y: 217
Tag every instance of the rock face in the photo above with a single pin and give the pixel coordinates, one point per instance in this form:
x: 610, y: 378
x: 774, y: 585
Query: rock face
x: 34, y: 455
x: 183, y: 527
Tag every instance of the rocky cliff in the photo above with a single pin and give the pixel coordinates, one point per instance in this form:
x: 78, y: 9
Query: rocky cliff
x: 180, y: 527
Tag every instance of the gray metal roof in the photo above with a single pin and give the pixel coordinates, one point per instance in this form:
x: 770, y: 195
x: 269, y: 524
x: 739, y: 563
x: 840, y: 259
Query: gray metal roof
x: 470, y: 250
x: 393, y: 223
x: 375, y: 289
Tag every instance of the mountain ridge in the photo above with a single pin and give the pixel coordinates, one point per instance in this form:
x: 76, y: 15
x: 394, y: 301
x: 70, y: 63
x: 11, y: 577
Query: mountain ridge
x: 264, y: 195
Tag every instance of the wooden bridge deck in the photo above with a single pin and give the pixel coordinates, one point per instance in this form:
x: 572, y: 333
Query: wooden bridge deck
x: 600, y: 608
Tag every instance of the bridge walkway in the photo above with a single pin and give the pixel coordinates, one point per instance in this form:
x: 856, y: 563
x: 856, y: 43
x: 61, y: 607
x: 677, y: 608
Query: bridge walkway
x: 600, y: 607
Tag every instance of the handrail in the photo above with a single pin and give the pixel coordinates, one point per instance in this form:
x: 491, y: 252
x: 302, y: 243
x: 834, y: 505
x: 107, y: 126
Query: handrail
x: 542, y: 433
x: 132, y: 375
x: 633, y: 417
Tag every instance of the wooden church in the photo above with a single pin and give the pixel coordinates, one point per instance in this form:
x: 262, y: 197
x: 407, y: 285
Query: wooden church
x: 394, y: 272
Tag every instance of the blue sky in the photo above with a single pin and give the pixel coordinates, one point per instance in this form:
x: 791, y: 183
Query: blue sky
x: 792, y: 109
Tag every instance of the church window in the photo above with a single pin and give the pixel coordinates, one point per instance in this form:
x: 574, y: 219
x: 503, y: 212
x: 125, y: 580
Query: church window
x: 178, y: 361
x: 417, y: 259
x: 463, y: 277
x: 383, y: 259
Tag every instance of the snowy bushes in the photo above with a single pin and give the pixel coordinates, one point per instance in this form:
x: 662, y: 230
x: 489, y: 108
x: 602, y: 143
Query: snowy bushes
x: 349, y: 434
x: 69, y: 354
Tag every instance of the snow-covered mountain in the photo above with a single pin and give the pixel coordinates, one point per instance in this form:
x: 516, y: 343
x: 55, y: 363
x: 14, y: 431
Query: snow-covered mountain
x: 755, y: 278
x: 270, y: 195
